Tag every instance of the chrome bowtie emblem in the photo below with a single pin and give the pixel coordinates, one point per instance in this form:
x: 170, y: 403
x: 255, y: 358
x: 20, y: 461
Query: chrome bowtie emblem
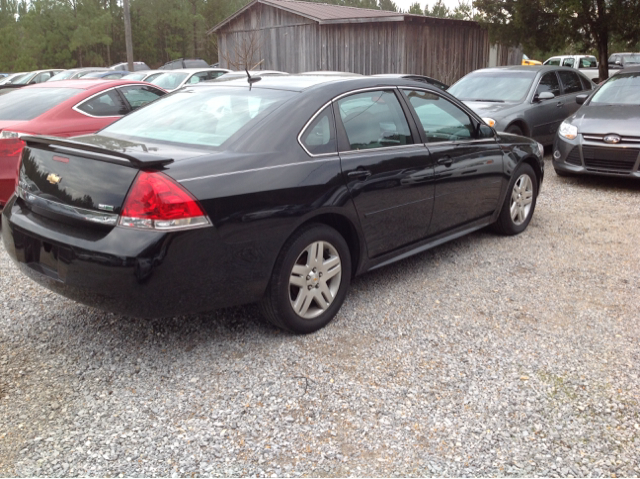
x: 53, y: 179
x: 612, y: 139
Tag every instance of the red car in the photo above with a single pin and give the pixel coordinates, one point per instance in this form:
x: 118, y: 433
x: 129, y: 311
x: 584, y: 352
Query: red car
x: 62, y: 108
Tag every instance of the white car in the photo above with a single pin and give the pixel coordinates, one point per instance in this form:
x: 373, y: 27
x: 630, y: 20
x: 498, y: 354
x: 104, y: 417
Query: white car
x: 144, y: 75
x: 174, y: 79
x: 586, y: 64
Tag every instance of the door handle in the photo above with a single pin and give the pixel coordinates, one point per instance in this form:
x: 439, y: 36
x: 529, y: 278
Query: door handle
x: 446, y: 161
x: 359, y: 174
x: 559, y: 104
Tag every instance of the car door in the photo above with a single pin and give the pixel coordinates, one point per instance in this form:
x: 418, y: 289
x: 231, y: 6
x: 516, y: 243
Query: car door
x: 468, y: 164
x: 545, y: 116
x: 571, y: 87
x: 387, y: 168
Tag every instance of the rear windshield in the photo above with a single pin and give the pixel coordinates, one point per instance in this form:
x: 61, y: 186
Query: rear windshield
x: 620, y: 89
x: 170, y: 81
x: 498, y: 86
x: 28, y: 103
x: 198, y: 116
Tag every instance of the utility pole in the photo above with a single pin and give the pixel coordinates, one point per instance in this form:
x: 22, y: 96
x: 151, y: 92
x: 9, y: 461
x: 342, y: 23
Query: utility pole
x: 127, y: 35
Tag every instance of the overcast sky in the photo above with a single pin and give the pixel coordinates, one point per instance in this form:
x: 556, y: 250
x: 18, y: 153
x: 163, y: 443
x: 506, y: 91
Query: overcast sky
x: 405, y: 4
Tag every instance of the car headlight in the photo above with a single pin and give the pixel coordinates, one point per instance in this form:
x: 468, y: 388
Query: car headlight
x: 568, y: 131
x: 489, y: 121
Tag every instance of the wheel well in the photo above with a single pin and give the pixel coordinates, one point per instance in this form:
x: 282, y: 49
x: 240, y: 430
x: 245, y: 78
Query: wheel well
x: 343, y: 226
x: 522, y: 125
x: 536, y: 168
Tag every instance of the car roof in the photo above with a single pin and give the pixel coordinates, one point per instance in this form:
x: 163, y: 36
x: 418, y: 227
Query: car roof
x: 84, y: 84
x: 195, y: 70
x: 304, y: 82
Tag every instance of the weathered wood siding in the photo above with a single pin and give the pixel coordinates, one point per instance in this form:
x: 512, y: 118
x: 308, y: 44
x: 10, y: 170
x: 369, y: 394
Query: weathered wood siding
x: 292, y: 43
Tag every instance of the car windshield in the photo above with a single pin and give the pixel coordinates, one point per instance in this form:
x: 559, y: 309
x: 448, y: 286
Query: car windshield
x: 11, y: 78
x: 621, y: 89
x: 498, y: 86
x: 134, y: 76
x: 65, y: 75
x: 25, y: 79
x: 170, y: 81
x: 28, y: 103
x: 198, y: 116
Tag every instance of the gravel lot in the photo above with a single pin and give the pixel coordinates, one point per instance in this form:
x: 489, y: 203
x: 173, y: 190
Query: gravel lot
x: 489, y: 356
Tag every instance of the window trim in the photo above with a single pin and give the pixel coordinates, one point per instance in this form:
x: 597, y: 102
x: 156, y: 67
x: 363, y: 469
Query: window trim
x: 76, y: 106
x: 562, y: 84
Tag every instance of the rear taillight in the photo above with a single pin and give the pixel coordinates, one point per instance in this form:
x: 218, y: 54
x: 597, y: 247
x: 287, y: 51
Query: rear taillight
x: 156, y: 202
x: 11, y: 147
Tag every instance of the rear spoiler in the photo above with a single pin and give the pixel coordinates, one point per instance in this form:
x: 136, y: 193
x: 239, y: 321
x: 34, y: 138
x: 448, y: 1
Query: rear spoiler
x: 137, y: 160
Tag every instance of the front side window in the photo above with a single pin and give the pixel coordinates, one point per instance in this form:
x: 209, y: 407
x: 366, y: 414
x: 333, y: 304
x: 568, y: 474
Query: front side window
x: 549, y: 82
x: 374, y: 119
x: 440, y: 119
x: 319, y: 137
x: 108, y: 103
x: 140, y: 95
x: 204, y: 117
x: 553, y: 62
x: 570, y: 82
x: 198, y: 77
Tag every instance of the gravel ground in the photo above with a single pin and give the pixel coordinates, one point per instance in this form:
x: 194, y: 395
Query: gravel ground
x: 488, y: 356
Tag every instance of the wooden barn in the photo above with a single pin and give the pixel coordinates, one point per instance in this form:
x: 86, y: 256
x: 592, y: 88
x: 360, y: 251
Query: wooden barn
x: 296, y: 36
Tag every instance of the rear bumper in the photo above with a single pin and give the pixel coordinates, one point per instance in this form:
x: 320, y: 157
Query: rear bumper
x: 590, y: 157
x: 127, y: 271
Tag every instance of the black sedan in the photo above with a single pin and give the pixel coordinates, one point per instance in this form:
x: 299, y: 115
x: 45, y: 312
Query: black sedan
x: 602, y: 137
x: 277, y: 191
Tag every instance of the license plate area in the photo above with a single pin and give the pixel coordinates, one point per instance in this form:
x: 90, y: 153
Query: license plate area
x: 47, y: 258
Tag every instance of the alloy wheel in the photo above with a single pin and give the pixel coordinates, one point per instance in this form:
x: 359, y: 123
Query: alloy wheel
x: 521, y: 199
x: 315, y: 279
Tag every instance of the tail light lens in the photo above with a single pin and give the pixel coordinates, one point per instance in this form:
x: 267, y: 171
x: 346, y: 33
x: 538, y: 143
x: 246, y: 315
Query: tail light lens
x: 11, y: 147
x: 157, y: 202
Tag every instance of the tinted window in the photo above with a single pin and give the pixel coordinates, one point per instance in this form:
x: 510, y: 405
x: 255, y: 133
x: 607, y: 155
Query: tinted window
x: 494, y: 85
x: 570, y: 82
x: 588, y: 62
x: 319, y: 137
x: 28, y: 103
x: 195, y: 64
x: 374, y: 120
x: 108, y: 103
x: 140, y: 95
x: 205, y: 116
x: 586, y: 83
x: 549, y: 82
x: 568, y: 62
x: 440, y: 119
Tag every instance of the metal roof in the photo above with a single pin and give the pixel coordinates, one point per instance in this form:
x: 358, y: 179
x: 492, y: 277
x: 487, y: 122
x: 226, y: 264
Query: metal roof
x: 324, y: 13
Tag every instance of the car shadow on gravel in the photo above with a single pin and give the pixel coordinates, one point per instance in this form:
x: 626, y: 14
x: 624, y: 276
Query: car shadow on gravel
x: 603, y: 183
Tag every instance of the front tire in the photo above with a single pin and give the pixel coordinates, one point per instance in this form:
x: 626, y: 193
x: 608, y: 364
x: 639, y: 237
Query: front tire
x: 309, y: 281
x: 520, y: 202
x: 515, y: 130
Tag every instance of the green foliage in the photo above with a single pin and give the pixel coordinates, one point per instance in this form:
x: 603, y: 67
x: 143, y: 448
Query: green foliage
x: 415, y: 9
x: 439, y: 9
x: 387, y: 5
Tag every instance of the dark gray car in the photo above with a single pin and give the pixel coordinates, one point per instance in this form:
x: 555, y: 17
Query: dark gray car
x: 525, y: 100
x: 603, y: 137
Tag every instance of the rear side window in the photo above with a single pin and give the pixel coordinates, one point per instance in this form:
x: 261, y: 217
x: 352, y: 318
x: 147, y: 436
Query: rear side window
x: 586, y: 83
x: 549, y: 82
x: 108, y: 103
x: 440, y: 119
x: 140, y: 95
x: 588, y: 62
x: 374, y: 120
x: 570, y: 82
x: 568, y: 62
x: 320, y: 136
x: 28, y: 103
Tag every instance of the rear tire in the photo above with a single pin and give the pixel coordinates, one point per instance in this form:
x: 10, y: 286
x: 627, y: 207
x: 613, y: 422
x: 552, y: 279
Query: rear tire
x: 515, y: 130
x: 519, y: 203
x: 310, y: 280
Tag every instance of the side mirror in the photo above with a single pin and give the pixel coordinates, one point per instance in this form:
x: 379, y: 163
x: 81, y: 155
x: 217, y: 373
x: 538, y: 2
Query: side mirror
x: 485, y: 131
x: 618, y: 62
x: 32, y: 82
x: 545, y: 95
x: 580, y: 99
